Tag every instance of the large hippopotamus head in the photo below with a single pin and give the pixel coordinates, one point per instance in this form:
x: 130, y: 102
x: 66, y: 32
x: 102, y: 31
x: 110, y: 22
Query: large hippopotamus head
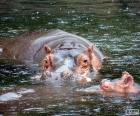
x: 71, y: 63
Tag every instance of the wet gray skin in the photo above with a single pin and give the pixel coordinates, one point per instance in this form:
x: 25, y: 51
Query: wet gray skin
x: 65, y: 48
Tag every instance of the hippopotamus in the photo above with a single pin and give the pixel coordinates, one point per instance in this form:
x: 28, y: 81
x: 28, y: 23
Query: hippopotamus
x: 124, y: 85
x: 58, y: 52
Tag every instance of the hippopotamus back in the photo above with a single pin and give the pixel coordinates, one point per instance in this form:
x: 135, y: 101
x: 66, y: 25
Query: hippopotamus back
x: 56, y: 40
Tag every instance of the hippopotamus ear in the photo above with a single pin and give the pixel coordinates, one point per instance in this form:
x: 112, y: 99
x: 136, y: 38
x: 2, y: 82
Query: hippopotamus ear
x: 127, y: 78
x: 125, y: 73
x: 94, y: 60
x: 47, y: 49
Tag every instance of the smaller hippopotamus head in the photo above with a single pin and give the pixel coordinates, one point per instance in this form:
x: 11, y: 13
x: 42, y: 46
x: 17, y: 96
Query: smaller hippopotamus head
x: 68, y: 63
x: 124, y: 85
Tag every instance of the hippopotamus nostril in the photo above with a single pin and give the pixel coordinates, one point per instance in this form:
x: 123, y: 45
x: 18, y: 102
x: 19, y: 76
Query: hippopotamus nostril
x: 67, y: 74
x: 46, y: 66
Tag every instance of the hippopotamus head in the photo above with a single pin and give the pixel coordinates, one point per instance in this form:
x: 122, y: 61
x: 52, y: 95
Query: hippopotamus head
x: 124, y: 85
x: 70, y: 63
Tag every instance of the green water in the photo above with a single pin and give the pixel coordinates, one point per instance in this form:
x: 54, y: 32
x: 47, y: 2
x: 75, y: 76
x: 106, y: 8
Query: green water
x: 113, y: 25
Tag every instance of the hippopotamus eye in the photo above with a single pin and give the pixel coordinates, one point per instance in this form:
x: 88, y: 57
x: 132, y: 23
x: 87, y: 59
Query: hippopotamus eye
x: 85, y: 61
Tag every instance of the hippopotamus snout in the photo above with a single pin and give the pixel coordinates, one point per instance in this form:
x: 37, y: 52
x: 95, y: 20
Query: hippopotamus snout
x: 64, y: 67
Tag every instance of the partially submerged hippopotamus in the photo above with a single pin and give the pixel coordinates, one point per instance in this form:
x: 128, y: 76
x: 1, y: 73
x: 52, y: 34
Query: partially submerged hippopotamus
x: 124, y: 85
x: 58, y: 52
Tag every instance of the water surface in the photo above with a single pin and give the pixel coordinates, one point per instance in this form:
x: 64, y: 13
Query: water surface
x: 113, y: 25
